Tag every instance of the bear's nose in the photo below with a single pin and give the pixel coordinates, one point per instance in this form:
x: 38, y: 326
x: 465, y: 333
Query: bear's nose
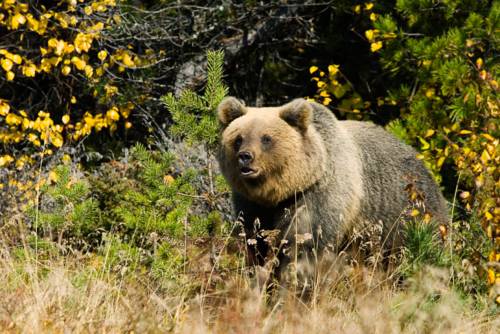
x: 244, y: 158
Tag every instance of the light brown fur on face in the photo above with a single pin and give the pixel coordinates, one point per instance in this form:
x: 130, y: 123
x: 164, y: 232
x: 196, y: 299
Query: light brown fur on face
x: 292, y: 162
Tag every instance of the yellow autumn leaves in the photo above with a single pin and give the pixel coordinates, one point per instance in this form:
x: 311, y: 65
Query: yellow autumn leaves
x: 65, y: 44
x: 35, y: 131
x: 474, y: 153
x: 44, y: 131
x: 377, y: 39
x: 83, y: 42
x: 326, y: 83
x: 367, y: 6
x: 333, y: 85
x: 58, y: 52
x: 373, y: 36
x: 99, y: 122
x: 7, y: 62
x: 102, y: 55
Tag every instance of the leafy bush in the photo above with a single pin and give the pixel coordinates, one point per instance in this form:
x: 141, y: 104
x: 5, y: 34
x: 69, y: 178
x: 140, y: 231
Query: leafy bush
x: 147, y: 211
x: 440, y: 75
x: 52, y: 47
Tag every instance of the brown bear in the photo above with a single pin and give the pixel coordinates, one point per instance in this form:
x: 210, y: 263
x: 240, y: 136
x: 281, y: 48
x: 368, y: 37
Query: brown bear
x: 316, y: 180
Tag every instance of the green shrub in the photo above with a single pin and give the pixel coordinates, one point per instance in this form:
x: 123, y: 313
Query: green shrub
x: 65, y: 209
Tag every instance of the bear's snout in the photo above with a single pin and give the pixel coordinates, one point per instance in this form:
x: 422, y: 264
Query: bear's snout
x: 247, y: 171
x: 245, y: 158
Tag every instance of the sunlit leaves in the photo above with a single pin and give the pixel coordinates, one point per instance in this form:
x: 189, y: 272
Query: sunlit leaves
x: 56, y: 45
x: 17, y: 20
x: 65, y: 119
x: 334, y: 89
x: 89, y: 71
x: 79, y: 63
x: 83, y: 42
x: 58, y: 42
x: 10, y: 76
x: 5, y: 160
x: 112, y: 114
x: 4, y: 108
x: 13, y: 119
x: 102, y: 55
x: 457, y: 75
x: 65, y: 70
x: 6, y: 64
x: 375, y: 46
x: 447, y: 102
x: 29, y: 70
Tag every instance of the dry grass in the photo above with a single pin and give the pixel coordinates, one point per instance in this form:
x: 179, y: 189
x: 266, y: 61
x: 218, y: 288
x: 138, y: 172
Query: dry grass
x: 73, y: 294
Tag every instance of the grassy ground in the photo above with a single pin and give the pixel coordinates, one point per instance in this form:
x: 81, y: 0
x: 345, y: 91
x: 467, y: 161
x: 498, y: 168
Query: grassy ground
x: 144, y: 245
x: 42, y: 291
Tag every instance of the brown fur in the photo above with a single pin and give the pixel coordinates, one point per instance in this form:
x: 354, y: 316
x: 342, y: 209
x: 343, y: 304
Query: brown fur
x: 294, y: 162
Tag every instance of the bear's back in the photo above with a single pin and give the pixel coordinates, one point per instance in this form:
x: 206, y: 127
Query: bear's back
x: 389, y: 166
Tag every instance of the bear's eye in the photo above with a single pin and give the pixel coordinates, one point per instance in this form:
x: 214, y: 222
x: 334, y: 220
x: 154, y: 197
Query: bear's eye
x: 237, y: 142
x: 266, y: 139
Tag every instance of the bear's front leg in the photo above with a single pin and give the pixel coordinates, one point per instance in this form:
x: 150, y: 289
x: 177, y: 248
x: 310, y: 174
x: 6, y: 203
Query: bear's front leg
x: 255, y: 219
x: 298, y: 249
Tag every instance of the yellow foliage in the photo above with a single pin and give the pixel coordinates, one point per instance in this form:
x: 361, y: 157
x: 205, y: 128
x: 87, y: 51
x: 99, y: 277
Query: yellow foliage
x: 17, y: 20
x: 479, y: 63
x: 66, y: 70
x: 4, y: 108
x: 374, y: 47
x: 429, y: 93
x: 110, y: 90
x: 5, y: 160
x: 83, y: 42
x: 113, y: 114
x: 333, y: 69
x: 56, y: 139
x: 89, y: 71
x: 15, y: 58
x: 79, y: 63
x: 88, y: 10
x: 429, y: 133
x: 13, y: 119
x: 66, y: 159
x: 127, y: 60
x: 6, y: 64
x: 56, y: 45
x: 29, y: 70
x: 102, y: 55
x: 370, y: 34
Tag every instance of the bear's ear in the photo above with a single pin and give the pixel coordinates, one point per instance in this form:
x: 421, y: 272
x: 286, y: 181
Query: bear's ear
x: 297, y: 113
x: 230, y: 109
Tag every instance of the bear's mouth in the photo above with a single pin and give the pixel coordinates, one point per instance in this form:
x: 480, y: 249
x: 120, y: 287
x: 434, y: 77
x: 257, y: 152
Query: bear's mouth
x: 248, y: 172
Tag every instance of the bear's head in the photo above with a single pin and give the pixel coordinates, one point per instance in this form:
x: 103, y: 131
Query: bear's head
x: 270, y: 154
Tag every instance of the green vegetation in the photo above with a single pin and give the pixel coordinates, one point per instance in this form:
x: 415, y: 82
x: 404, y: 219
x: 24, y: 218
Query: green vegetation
x: 193, y: 115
